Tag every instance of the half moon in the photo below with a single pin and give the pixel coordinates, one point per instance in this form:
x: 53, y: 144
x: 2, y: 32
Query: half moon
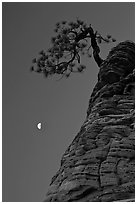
x: 39, y: 126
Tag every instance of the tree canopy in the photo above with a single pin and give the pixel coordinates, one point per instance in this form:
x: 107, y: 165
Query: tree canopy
x: 72, y: 40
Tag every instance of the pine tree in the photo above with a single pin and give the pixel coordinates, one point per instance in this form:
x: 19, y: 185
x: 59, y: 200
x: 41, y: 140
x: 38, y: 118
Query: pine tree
x: 72, y: 41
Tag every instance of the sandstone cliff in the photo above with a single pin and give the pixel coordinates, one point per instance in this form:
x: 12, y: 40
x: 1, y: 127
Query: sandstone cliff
x: 98, y: 165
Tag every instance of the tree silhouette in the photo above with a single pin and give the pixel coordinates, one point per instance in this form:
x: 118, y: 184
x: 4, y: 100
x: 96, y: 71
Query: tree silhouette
x: 72, y: 40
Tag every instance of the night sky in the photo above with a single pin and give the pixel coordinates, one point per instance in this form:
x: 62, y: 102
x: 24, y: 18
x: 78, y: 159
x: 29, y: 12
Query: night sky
x: 31, y: 157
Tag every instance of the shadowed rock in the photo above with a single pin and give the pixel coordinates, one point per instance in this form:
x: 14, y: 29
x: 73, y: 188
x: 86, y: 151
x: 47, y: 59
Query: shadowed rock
x: 98, y: 166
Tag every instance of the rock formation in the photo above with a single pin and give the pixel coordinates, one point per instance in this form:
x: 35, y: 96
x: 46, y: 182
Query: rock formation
x: 98, y: 166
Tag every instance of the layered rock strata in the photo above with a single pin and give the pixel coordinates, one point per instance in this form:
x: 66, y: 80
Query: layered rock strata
x: 98, y: 166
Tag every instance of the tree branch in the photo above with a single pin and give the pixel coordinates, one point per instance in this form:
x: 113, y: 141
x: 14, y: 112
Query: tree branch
x: 67, y: 48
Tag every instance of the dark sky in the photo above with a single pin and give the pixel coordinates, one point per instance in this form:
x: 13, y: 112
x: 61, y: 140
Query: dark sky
x: 30, y: 156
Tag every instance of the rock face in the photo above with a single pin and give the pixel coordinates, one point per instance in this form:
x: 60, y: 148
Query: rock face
x: 98, y: 166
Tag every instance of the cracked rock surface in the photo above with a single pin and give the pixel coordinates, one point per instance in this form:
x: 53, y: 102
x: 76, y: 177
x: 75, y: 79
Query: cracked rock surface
x: 98, y: 166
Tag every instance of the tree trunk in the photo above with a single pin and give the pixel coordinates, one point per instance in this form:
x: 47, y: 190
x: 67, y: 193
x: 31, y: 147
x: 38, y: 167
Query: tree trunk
x: 98, y: 166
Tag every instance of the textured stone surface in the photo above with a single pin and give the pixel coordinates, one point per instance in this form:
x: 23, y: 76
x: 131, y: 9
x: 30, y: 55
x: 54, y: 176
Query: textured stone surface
x: 98, y: 166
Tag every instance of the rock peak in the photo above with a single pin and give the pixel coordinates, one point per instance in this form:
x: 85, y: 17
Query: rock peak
x: 119, y: 62
x: 98, y: 165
